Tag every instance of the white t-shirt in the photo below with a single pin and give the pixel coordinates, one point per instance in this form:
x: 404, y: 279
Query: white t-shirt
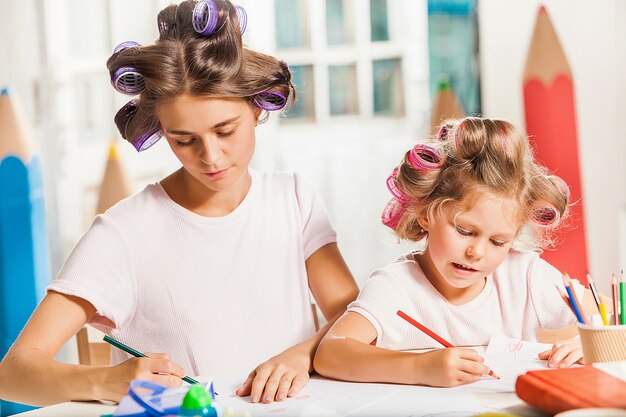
x: 518, y: 298
x: 220, y: 295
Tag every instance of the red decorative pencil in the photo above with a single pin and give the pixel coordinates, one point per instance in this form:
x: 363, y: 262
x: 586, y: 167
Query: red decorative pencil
x: 550, y: 112
x: 432, y: 334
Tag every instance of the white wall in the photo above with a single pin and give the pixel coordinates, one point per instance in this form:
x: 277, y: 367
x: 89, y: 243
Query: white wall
x: 593, y: 36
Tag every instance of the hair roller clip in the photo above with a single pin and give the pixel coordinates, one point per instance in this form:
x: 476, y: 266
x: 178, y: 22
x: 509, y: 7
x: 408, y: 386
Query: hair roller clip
x: 424, y: 157
x: 392, y: 214
x: 269, y: 100
x: 127, y: 80
x: 456, y: 135
x: 143, y: 142
x: 392, y: 186
x: 443, y: 133
x: 242, y: 17
x: 125, y: 45
x: 545, y: 216
x: 205, y: 16
x: 561, y: 183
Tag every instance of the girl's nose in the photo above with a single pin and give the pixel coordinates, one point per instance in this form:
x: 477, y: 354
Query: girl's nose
x: 211, y: 152
x: 474, y: 251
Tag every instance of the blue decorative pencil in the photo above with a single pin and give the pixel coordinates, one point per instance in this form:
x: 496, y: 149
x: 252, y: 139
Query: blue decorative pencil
x: 24, y: 256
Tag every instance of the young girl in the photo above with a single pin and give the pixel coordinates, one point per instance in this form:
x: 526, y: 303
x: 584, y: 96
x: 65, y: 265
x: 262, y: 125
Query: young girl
x: 212, y: 265
x: 478, y: 201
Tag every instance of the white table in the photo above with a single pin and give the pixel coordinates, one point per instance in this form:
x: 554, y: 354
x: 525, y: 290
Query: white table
x: 395, y: 404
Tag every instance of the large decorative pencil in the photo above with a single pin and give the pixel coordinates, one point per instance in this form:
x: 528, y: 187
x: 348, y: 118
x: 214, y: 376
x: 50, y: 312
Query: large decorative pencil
x: 115, y: 184
x: 551, y: 123
x: 445, y: 106
x: 24, y: 256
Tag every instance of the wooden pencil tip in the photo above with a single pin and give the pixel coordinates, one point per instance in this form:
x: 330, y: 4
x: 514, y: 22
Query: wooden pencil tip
x: 542, y: 9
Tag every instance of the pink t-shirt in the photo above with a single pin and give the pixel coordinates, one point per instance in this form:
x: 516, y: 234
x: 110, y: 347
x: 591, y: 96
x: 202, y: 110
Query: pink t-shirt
x: 518, y: 298
x: 220, y: 295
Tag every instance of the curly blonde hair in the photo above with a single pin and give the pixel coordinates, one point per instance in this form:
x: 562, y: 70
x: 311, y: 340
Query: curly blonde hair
x: 469, y: 158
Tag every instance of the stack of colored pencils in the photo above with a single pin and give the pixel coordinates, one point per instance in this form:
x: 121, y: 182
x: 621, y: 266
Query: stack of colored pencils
x: 619, y: 300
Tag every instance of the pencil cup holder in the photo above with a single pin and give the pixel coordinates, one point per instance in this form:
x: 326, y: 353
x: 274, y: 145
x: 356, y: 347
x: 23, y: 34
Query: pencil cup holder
x: 603, y: 343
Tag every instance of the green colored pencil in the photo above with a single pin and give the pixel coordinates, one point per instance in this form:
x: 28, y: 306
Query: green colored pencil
x: 138, y: 354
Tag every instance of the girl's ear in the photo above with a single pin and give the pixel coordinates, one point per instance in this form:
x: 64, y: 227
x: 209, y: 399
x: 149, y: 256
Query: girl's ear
x: 423, y: 220
x: 257, y: 113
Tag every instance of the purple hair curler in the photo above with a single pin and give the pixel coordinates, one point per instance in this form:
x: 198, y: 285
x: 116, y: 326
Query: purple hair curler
x: 205, y: 16
x: 127, y: 80
x: 269, y: 100
x: 125, y: 45
x: 392, y: 186
x: 545, y: 216
x: 144, y: 142
x: 424, y: 157
x: 242, y: 17
x: 392, y: 214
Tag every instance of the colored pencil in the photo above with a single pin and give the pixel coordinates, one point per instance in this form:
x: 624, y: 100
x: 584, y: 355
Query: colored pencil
x: 622, y: 298
x: 573, y: 299
x: 138, y: 354
x: 550, y: 112
x: 432, y: 334
x: 616, y: 306
x: 565, y: 298
x: 598, y: 300
x: 605, y: 316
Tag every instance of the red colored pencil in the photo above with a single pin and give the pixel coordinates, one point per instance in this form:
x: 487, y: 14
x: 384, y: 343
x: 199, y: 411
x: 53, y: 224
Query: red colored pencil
x: 564, y: 297
x: 615, y: 300
x: 434, y: 335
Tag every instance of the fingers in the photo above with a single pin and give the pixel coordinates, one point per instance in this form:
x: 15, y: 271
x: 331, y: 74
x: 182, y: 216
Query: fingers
x: 297, y: 384
x: 564, y: 354
x: 545, y: 354
x: 246, y: 387
x: 166, y: 380
x: 262, y: 375
x: 165, y: 366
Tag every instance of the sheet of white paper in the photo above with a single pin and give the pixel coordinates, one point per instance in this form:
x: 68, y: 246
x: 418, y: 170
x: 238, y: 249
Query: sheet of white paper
x: 328, y: 398
x: 508, y: 358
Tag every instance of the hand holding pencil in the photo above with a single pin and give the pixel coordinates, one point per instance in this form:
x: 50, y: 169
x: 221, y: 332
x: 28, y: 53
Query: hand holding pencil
x: 463, y: 364
x: 153, y: 367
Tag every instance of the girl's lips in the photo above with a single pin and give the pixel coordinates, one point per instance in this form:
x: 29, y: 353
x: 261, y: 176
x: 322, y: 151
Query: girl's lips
x: 217, y: 174
x: 462, y: 268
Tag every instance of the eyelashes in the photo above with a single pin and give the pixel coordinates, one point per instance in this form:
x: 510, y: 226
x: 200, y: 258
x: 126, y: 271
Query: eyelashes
x: 193, y: 140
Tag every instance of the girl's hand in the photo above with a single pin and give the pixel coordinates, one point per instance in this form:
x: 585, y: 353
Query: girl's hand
x: 282, y: 376
x: 450, y: 367
x: 564, y: 353
x: 157, y: 368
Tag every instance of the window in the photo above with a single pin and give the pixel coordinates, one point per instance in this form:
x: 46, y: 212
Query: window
x: 345, y: 57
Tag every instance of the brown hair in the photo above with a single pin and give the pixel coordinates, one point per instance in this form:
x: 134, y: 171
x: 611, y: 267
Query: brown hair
x: 182, y: 61
x: 476, y: 156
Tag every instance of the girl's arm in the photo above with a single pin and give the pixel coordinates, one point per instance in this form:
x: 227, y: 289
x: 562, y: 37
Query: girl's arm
x: 29, y: 373
x: 346, y: 353
x: 287, y: 373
